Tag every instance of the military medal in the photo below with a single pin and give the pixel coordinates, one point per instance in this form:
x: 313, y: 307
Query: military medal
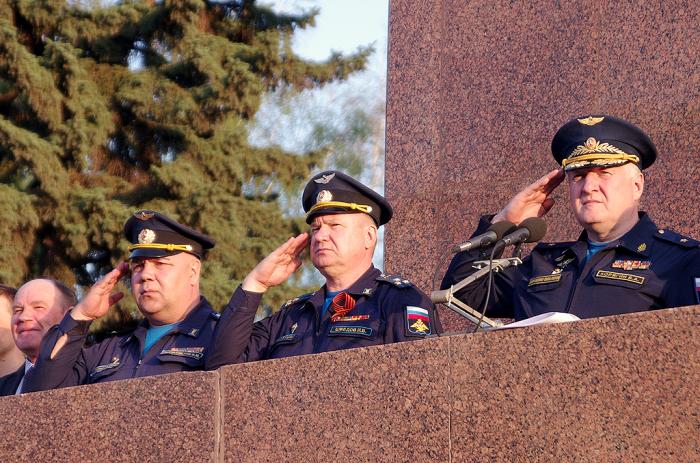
x: 631, y: 264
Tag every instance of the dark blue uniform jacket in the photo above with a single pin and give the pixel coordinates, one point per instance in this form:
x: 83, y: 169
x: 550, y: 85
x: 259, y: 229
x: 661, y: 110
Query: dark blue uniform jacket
x: 386, y: 311
x: 648, y: 268
x: 9, y: 383
x: 184, y: 348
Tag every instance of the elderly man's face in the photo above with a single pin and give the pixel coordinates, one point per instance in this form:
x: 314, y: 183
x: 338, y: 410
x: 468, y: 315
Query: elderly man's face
x: 340, y: 242
x: 163, y: 286
x: 602, y: 198
x: 38, y: 306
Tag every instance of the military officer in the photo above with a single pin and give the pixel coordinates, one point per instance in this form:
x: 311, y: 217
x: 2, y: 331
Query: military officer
x: 358, y: 304
x: 176, y: 333
x: 622, y: 262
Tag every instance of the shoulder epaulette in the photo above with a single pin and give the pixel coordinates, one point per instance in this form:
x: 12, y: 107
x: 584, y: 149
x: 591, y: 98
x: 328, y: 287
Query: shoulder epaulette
x: 303, y: 297
x: 395, y: 280
x: 676, y: 238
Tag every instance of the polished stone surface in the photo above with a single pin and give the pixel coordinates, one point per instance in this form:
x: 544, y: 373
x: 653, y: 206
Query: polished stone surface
x: 606, y: 390
x: 477, y: 89
x: 611, y: 389
x: 169, y: 418
x: 384, y: 403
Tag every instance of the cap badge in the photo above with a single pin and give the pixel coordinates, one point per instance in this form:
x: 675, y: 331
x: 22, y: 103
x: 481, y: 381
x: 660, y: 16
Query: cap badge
x: 593, y: 146
x: 147, y: 236
x: 324, y: 178
x: 144, y: 215
x: 590, y: 120
x: 591, y: 143
x: 324, y: 196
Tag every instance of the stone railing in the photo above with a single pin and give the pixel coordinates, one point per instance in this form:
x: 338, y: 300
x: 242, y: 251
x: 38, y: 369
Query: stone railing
x: 613, y: 389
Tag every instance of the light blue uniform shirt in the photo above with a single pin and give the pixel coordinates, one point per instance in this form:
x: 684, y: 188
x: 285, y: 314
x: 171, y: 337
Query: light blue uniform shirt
x: 154, y: 333
x: 328, y: 300
x: 593, y: 247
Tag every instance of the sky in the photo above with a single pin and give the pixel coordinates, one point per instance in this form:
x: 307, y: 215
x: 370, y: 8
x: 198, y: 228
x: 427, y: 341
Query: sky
x: 343, y: 26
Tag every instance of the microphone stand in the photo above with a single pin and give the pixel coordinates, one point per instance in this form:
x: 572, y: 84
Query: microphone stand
x: 517, y: 250
x: 446, y: 296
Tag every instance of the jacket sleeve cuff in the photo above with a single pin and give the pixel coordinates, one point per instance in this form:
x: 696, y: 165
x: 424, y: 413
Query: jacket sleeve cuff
x: 244, y: 300
x: 484, y: 224
x: 73, y: 327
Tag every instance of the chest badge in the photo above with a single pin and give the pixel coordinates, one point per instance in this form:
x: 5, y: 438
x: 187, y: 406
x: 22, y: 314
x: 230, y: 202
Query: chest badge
x: 350, y: 318
x: 189, y: 352
x: 631, y: 264
x: 562, y: 262
x: 107, y: 366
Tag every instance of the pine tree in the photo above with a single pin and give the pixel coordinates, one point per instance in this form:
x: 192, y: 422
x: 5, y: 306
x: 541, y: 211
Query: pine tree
x: 105, y: 110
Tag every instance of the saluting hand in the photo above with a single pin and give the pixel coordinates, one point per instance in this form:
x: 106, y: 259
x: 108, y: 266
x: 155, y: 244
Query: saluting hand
x: 533, y: 201
x: 99, y: 299
x: 278, y: 266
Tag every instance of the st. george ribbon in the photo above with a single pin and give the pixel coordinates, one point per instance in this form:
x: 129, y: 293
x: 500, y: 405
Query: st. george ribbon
x: 528, y: 231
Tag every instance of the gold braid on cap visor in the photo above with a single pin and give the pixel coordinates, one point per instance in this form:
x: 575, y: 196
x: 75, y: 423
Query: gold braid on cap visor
x: 167, y: 247
x: 597, y: 153
x: 352, y: 206
x: 601, y: 158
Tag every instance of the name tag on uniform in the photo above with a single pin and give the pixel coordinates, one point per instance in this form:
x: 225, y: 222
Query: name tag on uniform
x: 286, y: 338
x: 620, y: 276
x: 190, y: 352
x: 544, y: 279
x: 351, y: 330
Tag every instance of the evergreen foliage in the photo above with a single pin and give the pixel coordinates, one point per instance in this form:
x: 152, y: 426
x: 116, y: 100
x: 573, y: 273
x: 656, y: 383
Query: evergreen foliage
x: 108, y: 109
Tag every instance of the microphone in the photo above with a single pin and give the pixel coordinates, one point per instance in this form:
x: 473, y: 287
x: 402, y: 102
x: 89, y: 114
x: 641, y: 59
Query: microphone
x: 493, y: 234
x: 529, y: 231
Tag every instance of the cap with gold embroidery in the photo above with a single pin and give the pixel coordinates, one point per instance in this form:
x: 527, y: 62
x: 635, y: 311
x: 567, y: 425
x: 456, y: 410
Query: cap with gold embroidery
x: 602, y: 141
x: 333, y: 192
x: 152, y: 234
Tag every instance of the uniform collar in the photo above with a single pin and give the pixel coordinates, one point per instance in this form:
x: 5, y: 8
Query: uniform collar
x: 364, y: 286
x: 190, y: 326
x: 366, y: 283
x: 194, y: 322
x: 637, y: 239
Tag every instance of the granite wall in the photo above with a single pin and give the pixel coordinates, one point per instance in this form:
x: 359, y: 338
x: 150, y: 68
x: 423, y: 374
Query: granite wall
x: 477, y: 89
x: 611, y: 389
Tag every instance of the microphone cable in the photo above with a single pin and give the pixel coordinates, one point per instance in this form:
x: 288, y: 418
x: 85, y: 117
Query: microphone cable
x: 489, y: 285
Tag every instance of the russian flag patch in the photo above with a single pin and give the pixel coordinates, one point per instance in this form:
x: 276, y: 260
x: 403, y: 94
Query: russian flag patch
x: 418, y: 320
